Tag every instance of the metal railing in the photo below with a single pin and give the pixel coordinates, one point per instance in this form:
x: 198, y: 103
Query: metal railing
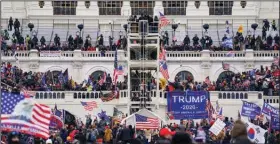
x: 95, y: 27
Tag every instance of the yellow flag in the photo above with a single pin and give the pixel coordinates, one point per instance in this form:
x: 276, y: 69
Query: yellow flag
x: 240, y: 29
x: 89, y: 88
x: 162, y: 82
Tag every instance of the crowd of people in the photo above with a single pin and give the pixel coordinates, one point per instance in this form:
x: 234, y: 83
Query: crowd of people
x: 264, y: 42
x: 265, y: 79
x: 16, y: 79
x: 110, y: 132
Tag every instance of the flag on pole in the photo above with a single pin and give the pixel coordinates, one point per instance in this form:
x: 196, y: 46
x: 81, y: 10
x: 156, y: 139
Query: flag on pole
x: 24, y: 115
x: 276, y: 60
x: 207, y: 80
x: 163, y: 69
x: 102, y: 79
x: 240, y: 29
x: 227, y: 27
x: 143, y: 122
x: 162, y: 54
x: 163, y: 20
x: 89, y: 106
x: 230, y: 54
x: 220, y: 114
x: 239, y: 115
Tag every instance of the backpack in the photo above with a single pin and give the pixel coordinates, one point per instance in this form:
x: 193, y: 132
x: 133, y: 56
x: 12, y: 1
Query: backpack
x: 91, y: 137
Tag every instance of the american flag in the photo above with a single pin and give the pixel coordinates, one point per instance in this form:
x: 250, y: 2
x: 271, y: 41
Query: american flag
x: 143, y: 122
x: 225, y: 66
x: 246, y: 83
x: 24, y: 115
x: 210, y: 109
x: 207, y: 80
x: 89, y: 106
x: 118, y: 70
x: 162, y: 55
x: 163, y: 69
x: 220, y: 114
x: 163, y: 20
x: 230, y: 54
x: 27, y: 94
x: 102, y: 79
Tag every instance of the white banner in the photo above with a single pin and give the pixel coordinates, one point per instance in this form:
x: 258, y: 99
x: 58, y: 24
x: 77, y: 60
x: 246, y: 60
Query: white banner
x: 217, y: 127
x: 50, y: 54
x: 255, y: 133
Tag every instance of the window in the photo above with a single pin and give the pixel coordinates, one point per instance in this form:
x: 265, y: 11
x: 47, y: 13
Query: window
x: 64, y: 7
x: 184, y: 75
x: 174, y: 7
x: 110, y: 7
x: 142, y: 7
x: 220, y: 7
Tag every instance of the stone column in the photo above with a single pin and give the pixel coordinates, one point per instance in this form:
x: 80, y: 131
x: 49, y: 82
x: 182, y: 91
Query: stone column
x: 77, y: 67
x: 205, y: 65
x: 203, y: 9
x: 158, y: 8
x: 126, y: 9
x: 81, y: 9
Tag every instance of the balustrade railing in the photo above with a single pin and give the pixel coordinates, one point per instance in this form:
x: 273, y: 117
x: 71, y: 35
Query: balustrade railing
x: 170, y: 54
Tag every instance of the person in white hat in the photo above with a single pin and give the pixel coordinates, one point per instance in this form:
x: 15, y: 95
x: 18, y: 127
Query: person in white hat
x: 49, y: 141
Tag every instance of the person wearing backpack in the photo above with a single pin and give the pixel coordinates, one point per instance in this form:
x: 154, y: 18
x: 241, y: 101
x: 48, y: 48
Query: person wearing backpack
x: 91, y: 135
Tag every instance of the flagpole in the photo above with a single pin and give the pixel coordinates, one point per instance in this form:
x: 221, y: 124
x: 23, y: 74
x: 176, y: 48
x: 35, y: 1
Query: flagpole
x: 0, y: 84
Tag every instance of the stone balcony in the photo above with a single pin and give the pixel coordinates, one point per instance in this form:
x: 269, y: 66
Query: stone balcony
x: 122, y: 55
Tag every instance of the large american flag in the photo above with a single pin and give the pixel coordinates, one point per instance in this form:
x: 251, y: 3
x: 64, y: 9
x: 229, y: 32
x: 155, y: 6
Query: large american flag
x: 24, y: 115
x: 143, y: 122
x: 89, y: 106
x: 163, y: 20
x: 163, y: 69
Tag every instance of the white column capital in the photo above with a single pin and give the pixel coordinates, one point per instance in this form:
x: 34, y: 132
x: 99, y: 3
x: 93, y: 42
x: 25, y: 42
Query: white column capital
x: 81, y: 9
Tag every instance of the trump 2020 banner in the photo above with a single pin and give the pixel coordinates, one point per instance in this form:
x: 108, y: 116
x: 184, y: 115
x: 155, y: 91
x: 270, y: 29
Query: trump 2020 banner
x: 188, y: 105
x: 268, y: 109
x: 275, y: 122
x: 250, y: 110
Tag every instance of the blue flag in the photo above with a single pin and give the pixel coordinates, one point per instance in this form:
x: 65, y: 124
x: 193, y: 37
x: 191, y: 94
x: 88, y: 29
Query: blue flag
x: 187, y: 105
x: 250, y: 110
x: 275, y: 122
x: 228, y: 43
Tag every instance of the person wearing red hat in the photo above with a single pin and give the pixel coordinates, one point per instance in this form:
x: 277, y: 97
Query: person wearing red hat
x: 165, y: 136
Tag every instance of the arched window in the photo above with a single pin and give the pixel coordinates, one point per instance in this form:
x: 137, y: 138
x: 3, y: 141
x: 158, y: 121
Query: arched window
x: 95, y: 75
x: 225, y: 74
x: 184, y: 75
